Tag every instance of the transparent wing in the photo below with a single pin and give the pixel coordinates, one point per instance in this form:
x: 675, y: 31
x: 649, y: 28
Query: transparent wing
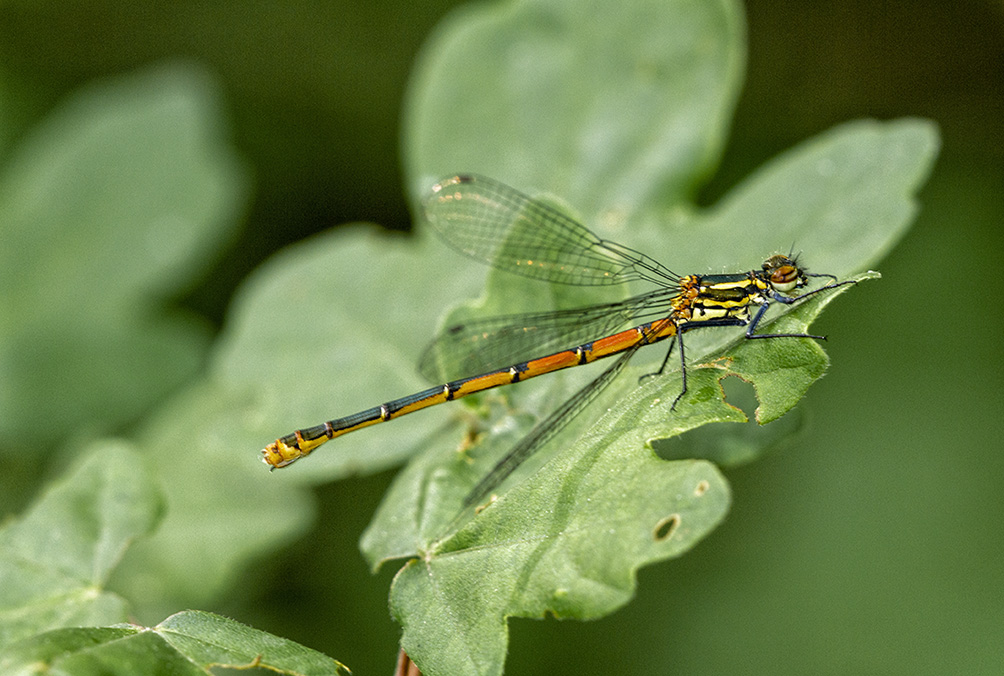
x: 545, y: 431
x: 499, y: 225
x: 491, y: 343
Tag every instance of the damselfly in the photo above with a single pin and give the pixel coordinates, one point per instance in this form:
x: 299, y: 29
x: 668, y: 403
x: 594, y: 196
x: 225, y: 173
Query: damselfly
x: 499, y: 225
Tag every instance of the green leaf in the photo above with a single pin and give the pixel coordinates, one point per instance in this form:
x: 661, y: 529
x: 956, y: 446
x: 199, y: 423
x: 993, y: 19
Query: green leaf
x: 567, y: 538
x: 223, y: 508
x: 191, y: 642
x: 607, y: 107
x: 844, y: 198
x: 329, y: 326
x: 54, y: 566
x: 567, y: 543
x: 125, y: 190
x: 56, y: 559
x: 479, y: 104
x: 335, y: 324
x: 295, y: 350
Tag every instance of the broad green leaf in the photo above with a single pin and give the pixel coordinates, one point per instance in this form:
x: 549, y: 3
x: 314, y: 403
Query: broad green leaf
x: 605, y: 106
x: 56, y: 559
x: 843, y: 198
x: 191, y: 642
x: 563, y: 552
x: 427, y: 494
x: 478, y: 103
x: 124, y: 191
x: 334, y: 325
x: 223, y: 508
x: 568, y: 538
x: 327, y: 327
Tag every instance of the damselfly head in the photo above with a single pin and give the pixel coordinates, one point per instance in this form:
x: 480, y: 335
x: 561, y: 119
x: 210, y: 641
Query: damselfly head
x: 783, y: 273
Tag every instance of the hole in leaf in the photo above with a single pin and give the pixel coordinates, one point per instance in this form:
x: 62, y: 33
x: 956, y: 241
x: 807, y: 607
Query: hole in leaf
x: 740, y: 394
x: 733, y: 444
x: 666, y: 527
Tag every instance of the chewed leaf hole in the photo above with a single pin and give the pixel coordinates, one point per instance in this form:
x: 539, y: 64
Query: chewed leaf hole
x: 666, y: 527
x: 741, y: 394
x: 702, y: 487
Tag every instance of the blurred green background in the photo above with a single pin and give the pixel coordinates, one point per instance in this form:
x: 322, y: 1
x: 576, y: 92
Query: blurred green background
x: 872, y: 545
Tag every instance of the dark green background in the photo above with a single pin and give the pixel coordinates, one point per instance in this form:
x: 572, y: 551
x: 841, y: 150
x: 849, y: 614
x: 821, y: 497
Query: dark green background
x: 873, y: 545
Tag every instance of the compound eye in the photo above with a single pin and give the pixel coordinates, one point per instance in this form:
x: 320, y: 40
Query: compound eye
x: 784, y: 278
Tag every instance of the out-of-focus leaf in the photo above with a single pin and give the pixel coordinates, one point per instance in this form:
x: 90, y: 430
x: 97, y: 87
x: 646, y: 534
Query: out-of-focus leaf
x: 56, y: 559
x: 112, y: 204
x: 223, y: 508
x: 607, y: 107
x: 191, y: 642
x: 333, y: 325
